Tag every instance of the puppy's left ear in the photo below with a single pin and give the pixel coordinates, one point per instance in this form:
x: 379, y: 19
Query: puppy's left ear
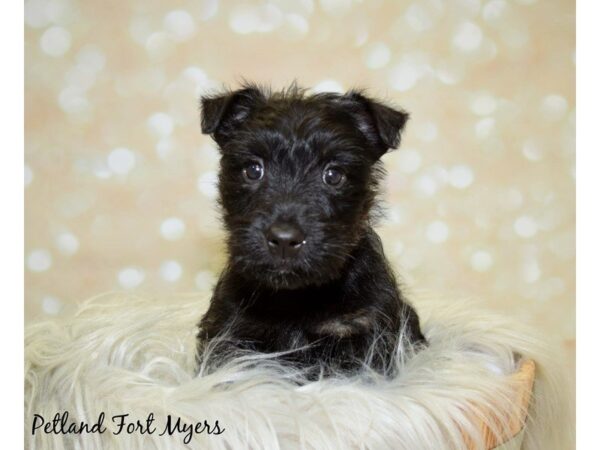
x: 223, y: 114
x: 381, y: 124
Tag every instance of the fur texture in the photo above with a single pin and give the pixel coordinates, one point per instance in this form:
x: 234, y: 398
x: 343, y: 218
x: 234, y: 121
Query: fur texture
x: 132, y: 355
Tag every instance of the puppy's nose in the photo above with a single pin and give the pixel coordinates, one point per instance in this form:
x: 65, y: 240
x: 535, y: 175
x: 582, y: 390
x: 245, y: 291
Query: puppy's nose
x: 284, y: 239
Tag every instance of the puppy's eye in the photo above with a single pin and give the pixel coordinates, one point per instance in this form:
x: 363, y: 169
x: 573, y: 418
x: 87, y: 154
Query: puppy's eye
x: 333, y: 177
x: 254, y: 171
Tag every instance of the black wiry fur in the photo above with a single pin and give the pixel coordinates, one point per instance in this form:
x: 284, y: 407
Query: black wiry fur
x: 338, y: 294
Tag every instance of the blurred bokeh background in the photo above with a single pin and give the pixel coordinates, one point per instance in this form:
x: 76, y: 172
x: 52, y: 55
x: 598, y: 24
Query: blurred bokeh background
x: 119, y: 181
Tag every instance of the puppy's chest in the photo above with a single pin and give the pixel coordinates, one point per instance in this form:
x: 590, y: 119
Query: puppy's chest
x: 307, y: 327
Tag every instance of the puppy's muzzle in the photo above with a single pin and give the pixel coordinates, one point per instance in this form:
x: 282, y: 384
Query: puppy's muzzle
x: 284, y: 239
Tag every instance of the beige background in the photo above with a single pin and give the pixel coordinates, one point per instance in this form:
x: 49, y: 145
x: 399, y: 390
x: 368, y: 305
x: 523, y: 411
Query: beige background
x: 120, y: 182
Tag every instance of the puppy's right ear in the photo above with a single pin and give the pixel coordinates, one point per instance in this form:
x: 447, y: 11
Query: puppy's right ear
x: 380, y: 123
x: 222, y: 114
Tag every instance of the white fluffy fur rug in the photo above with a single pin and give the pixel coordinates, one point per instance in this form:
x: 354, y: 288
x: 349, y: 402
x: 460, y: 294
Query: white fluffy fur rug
x: 123, y: 355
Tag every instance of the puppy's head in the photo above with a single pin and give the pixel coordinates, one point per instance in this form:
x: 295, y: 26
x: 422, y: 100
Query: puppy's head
x: 298, y: 178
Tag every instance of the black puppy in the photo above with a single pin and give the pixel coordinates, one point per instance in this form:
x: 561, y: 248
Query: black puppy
x: 306, y: 272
